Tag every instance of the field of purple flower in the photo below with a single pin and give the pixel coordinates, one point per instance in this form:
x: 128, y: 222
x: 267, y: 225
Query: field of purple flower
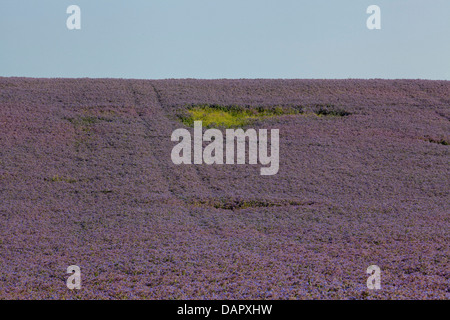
x: 86, y: 179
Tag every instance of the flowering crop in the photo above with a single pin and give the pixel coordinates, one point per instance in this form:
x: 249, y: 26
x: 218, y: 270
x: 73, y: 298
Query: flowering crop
x: 86, y: 179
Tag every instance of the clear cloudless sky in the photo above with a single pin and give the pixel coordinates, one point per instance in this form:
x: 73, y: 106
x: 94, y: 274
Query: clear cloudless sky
x: 158, y: 39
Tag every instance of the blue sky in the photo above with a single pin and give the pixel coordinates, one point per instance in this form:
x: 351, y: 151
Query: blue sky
x: 158, y: 39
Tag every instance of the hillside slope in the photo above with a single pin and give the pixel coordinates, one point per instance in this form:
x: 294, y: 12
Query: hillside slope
x: 86, y: 179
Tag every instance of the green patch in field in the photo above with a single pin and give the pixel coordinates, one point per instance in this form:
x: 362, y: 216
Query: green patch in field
x: 438, y: 141
x: 329, y: 110
x: 85, y: 120
x: 239, y: 203
x: 57, y: 178
x: 231, y: 116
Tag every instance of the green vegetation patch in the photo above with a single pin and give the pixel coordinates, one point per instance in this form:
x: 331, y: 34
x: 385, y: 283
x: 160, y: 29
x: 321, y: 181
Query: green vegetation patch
x: 57, y: 178
x: 231, y: 116
x: 329, y: 110
x: 81, y: 121
x: 238, y: 204
x: 438, y: 141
